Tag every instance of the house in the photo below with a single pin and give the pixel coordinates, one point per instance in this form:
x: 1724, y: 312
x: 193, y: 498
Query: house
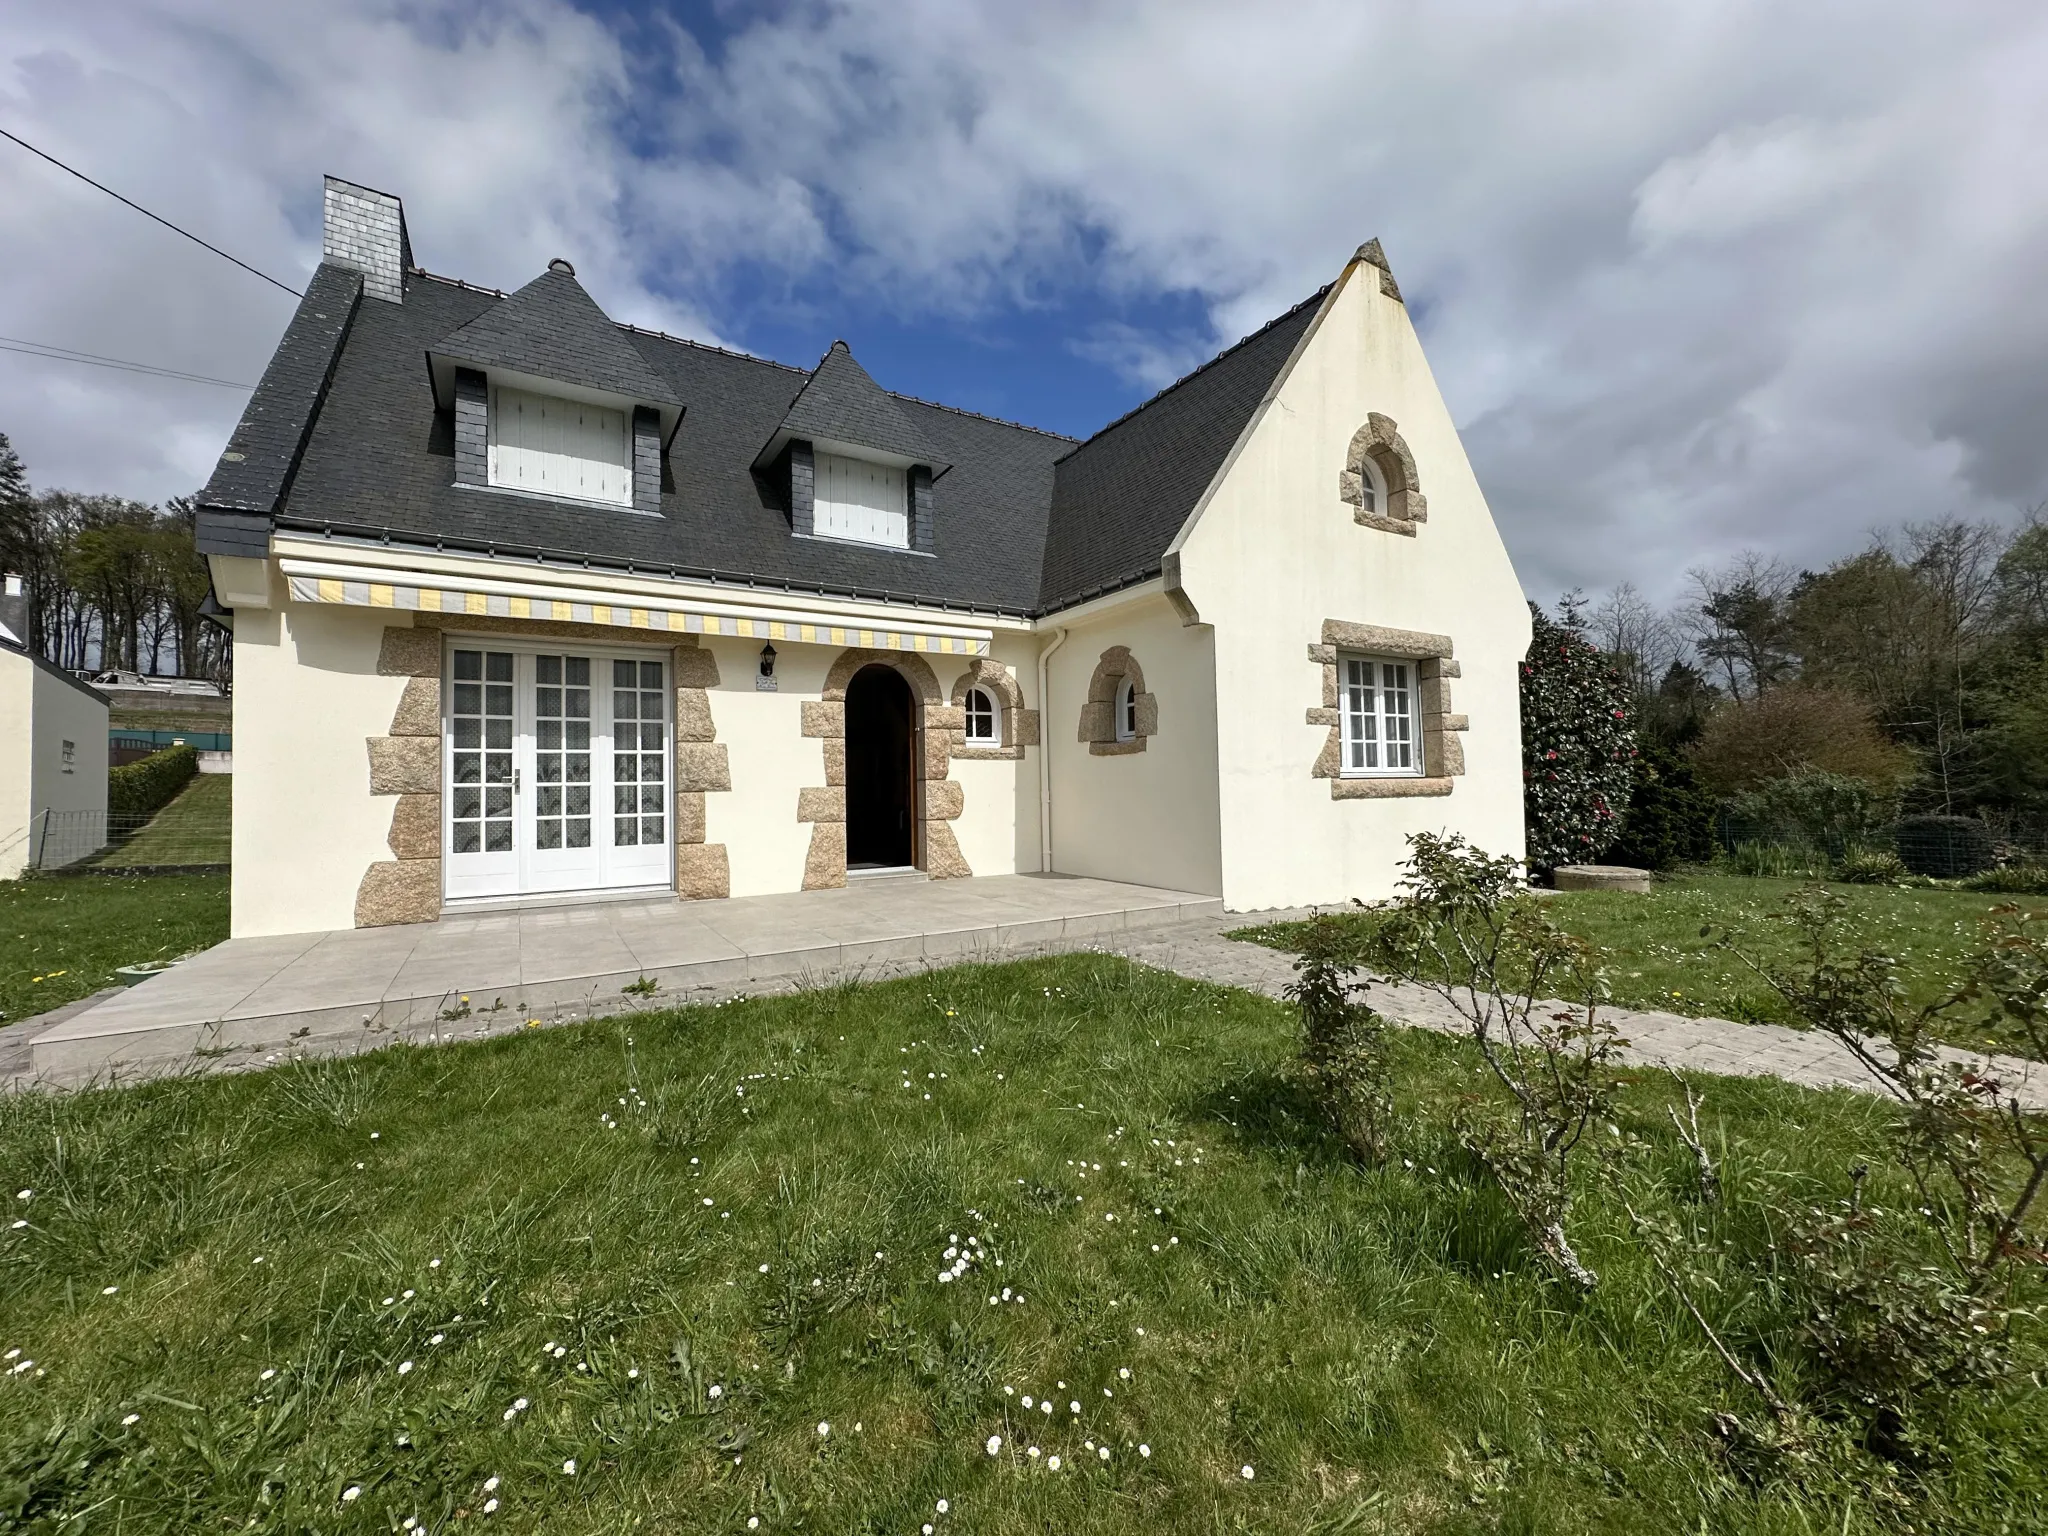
x: 529, y: 603
x: 53, y: 753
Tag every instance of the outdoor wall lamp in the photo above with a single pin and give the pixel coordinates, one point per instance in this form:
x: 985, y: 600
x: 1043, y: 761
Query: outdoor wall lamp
x: 768, y: 660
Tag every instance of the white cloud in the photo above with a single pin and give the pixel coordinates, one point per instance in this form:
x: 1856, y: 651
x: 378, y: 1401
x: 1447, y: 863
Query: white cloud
x: 1694, y: 276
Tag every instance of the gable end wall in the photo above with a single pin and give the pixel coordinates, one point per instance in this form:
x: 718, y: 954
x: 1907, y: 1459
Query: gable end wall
x: 1277, y: 553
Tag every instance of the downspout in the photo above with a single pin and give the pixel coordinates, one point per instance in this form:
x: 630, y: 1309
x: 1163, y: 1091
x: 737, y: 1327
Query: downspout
x: 1059, y: 638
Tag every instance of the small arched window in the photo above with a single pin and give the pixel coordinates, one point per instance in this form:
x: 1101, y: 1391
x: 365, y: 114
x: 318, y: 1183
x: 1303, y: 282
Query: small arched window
x: 984, y: 720
x: 1126, y: 710
x: 1372, y: 488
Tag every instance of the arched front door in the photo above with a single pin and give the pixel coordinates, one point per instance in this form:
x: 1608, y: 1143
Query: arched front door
x: 881, y: 786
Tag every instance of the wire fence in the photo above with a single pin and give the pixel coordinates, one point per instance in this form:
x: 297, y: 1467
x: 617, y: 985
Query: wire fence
x: 1937, y: 847
x: 193, y: 840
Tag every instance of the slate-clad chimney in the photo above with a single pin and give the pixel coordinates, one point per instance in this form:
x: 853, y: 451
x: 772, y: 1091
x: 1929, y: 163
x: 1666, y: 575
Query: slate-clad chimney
x: 14, y: 608
x: 364, y: 229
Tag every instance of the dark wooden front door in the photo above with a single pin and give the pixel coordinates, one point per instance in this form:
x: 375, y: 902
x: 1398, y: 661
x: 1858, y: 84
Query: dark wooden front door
x: 881, y: 804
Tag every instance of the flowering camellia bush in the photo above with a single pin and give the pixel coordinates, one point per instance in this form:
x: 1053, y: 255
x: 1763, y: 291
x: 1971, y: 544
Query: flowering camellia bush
x: 1578, y: 746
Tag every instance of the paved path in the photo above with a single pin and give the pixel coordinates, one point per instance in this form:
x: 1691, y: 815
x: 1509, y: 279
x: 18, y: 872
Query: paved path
x: 1198, y: 950
x: 1167, y: 930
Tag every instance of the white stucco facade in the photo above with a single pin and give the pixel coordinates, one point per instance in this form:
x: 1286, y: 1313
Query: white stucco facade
x: 305, y: 825
x: 1229, y: 789
x: 53, y: 759
x: 1274, y: 552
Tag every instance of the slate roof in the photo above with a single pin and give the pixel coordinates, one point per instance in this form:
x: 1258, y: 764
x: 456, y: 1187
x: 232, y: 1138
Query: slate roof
x: 553, y: 328
x: 1121, y: 497
x: 840, y: 402
x: 1024, y: 520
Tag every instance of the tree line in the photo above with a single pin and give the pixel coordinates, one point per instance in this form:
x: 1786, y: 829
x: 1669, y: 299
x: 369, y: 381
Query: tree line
x: 110, y: 582
x: 1916, y: 667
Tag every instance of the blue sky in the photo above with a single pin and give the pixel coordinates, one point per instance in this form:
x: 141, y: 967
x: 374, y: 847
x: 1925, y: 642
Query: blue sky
x: 1694, y: 278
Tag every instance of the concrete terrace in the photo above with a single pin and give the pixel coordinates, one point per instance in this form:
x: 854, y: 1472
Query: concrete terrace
x: 324, y: 993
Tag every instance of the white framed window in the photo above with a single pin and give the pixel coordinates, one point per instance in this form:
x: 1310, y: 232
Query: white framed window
x: 1372, y: 488
x: 1126, y: 718
x: 859, y: 500
x: 1377, y: 716
x: 984, y: 727
x: 556, y: 447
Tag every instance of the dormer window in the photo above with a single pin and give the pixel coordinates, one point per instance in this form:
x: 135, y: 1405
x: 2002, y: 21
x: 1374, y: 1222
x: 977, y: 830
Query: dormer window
x: 555, y: 447
x: 860, y: 500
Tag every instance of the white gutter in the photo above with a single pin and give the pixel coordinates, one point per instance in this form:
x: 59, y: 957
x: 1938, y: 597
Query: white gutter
x: 1059, y: 638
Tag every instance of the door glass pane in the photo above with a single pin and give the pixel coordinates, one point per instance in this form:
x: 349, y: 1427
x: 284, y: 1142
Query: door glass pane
x: 561, y: 780
x: 640, y: 754
x: 480, y: 751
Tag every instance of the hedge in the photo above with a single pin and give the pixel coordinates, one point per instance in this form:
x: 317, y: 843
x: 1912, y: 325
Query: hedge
x: 143, y: 788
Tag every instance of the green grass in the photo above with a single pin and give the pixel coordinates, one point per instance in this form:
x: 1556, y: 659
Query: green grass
x: 760, y: 1198
x: 192, y: 829
x: 1657, y: 958
x: 61, y: 936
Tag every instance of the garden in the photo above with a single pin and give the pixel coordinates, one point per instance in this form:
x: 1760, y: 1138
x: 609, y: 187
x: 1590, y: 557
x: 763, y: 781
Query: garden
x: 1063, y: 1245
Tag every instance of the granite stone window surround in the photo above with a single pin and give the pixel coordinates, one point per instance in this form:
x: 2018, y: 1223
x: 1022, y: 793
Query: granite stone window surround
x: 1099, y: 724
x: 1442, y: 743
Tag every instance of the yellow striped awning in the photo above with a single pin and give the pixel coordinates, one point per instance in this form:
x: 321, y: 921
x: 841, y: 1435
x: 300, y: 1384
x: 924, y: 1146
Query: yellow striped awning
x: 625, y: 611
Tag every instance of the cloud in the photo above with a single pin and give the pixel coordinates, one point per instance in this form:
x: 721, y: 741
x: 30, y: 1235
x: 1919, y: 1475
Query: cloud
x: 1693, y: 277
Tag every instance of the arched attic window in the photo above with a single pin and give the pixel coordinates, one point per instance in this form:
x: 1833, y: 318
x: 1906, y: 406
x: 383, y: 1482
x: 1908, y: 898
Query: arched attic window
x: 1378, y: 480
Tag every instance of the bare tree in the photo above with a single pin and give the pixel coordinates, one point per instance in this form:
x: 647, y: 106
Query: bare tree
x: 1636, y: 633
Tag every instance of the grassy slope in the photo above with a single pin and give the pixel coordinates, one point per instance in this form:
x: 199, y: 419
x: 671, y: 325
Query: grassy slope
x: 192, y: 829
x: 1658, y: 959
x: 61, y: 936
x: 760, y: 1197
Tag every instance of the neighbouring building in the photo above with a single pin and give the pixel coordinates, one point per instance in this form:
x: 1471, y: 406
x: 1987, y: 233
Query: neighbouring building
x: 527, y: 603
x: 53, y: 753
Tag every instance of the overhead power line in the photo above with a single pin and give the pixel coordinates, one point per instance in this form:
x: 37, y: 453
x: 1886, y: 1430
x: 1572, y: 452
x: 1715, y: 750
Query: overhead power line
x: 167, y: 224
x: 93, y: 359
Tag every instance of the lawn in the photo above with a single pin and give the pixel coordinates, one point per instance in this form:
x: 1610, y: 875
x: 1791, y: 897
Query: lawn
x: 192, y: 829
x: 61, y: 936
x: 1044, y: 1247
x: 1658, y: 958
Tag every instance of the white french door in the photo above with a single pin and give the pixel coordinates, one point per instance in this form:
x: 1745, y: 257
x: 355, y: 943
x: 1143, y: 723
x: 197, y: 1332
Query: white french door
x: 556, y: 769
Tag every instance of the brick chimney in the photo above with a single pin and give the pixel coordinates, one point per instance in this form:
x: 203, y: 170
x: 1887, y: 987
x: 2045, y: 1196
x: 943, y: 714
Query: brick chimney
x: 364, y: 229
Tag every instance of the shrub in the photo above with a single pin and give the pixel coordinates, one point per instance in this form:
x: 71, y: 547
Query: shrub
x: 1469, y: 932
x: 1797, y: 730
x: 1670, y: 818
x: 1821, y: 811
x: 1578, y: 747
x: 1874, y: 867
x: 1344, y: 1043
x: 1906, y: 1306
x: 1944, y: 847
x: 143, y: 788
x: 2022, y: 878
